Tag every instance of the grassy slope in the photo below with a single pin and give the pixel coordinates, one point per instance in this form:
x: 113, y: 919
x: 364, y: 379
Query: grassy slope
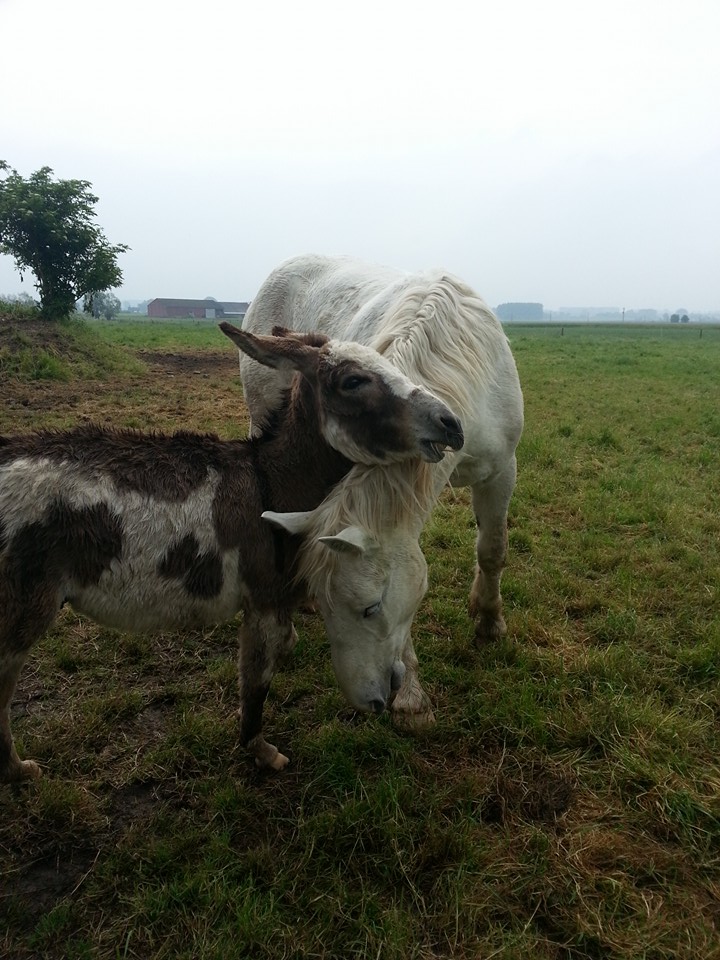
x: 32, y: 349
x: 566, y: 803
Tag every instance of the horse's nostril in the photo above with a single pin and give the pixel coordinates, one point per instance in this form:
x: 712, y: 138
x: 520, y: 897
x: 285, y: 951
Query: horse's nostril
x: 377, y: 706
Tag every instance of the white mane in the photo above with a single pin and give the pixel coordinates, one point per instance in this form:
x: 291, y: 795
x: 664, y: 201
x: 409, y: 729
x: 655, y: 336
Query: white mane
x: 442, y: 335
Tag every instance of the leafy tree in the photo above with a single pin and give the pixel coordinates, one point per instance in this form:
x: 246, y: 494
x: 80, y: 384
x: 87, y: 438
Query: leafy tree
x: 48, y: 227
x: 102, y: 304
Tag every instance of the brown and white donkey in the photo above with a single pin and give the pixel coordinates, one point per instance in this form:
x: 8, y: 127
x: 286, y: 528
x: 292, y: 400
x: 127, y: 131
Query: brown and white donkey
x: 145, y: 531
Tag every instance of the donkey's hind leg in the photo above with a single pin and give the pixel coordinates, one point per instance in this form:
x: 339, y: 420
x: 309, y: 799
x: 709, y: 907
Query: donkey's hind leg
x: 490, y: 504
x: 21, y: 623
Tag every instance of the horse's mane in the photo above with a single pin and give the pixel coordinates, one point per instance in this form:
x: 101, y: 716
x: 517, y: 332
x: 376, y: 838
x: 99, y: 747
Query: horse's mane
x: 442, y: 335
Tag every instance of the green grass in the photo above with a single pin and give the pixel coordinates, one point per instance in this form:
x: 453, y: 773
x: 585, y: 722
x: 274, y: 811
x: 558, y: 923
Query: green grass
x: 150, y: 334
x: 66, y: 350
x: 567, y: 803
x: 18, y: 310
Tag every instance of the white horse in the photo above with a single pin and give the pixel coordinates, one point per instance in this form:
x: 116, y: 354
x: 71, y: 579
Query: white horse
x: 361, y: 555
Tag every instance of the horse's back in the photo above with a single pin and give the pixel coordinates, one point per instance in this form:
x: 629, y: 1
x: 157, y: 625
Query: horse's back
x: 314, y: 292
x: 431, y: 324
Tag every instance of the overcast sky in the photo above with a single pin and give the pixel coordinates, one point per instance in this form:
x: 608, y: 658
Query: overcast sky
x: 562, y: 152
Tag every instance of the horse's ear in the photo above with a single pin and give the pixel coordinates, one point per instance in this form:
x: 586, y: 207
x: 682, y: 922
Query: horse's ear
x: 295, y: 523
x: 350, y: 540
x: 281, y: 353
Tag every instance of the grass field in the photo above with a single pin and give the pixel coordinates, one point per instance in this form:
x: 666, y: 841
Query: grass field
x: 565, y: 806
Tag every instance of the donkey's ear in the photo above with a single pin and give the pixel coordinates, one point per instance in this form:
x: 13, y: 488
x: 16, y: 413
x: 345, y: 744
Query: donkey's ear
x: 312, y: 339
x: 295, y: 523
x: 281, y: 353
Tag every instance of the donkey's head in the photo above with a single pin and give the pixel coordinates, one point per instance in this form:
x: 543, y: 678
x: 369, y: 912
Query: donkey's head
x: 368, y: 410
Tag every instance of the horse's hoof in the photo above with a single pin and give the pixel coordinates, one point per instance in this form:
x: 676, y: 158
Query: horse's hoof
x: 489, y: 630
x: 415, y: 722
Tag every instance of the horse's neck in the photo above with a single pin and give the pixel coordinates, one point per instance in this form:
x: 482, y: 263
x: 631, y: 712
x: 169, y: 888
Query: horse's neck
x: 299, y: 466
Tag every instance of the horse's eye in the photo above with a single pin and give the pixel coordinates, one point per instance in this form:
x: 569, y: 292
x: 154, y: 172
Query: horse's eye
x: 372, y: 609
x: 353, y: 382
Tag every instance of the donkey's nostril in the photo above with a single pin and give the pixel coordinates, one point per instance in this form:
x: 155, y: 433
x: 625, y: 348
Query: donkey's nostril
x: 377, y: 706
x: 453, y: 426
x: 453, y: 431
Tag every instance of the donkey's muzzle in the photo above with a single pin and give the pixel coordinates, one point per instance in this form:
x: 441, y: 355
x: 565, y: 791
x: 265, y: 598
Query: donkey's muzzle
x: 454, y: 432
x: 449, y: 437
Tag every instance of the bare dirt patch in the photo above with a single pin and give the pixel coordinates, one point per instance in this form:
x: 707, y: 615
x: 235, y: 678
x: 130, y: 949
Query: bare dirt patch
x: 175, y: 390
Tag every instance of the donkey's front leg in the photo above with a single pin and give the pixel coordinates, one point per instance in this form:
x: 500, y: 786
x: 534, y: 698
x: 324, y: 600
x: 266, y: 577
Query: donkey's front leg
x: 265, y: 639
x: 12, y: 768
x: 23, y: 618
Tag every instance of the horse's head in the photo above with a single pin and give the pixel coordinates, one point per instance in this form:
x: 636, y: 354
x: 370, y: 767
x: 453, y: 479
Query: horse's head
x: 368, y: 410
x: 370, y: 592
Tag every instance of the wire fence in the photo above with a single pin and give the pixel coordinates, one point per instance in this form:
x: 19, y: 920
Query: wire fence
x: 595, y: 331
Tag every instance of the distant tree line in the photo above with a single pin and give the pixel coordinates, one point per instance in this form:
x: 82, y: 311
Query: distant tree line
x: 520, y: 311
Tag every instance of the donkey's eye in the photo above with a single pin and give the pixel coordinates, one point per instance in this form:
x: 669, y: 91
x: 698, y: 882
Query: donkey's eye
x: 372, y: 609
x: 353, y: 382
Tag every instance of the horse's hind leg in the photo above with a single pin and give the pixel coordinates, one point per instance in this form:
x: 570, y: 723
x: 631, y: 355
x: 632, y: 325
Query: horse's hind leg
x: 20, y: 625
x: 490, y: 504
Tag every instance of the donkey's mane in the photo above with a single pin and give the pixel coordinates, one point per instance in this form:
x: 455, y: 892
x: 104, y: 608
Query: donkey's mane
x: 442, y: 335
x: 270, y: 424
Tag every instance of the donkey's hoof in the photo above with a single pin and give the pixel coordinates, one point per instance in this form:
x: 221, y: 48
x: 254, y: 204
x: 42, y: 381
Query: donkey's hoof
x: 21, y: 772
x: 279, y: 761
x: 267, y: 756
x: 30, y: 770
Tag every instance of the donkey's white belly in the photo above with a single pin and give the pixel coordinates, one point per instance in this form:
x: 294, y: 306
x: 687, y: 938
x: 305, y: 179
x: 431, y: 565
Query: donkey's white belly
x: 132, y: 596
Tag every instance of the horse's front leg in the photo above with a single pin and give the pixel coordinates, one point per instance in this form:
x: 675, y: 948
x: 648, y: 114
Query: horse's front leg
x: 490, y: 504
x: 265, y: 639
x: 411, y: 709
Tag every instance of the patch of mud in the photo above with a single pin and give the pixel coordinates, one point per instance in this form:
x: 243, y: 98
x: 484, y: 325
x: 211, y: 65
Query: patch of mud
x: 132, y: 803
x: 40, y: 885
x: 538, y: 794
x: 205, y: 364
